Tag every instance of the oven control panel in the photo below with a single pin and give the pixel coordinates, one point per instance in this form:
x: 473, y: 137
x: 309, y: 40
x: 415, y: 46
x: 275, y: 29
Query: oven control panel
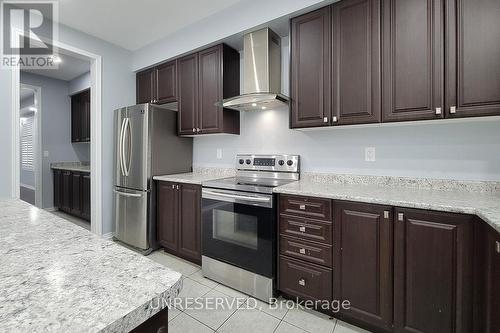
x: 278, y: 163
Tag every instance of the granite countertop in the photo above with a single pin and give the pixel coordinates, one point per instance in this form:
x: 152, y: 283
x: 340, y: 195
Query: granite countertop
x: 71, y: 166
x: 484, y: 205
x: 58, y: 277
x: 198, y: 176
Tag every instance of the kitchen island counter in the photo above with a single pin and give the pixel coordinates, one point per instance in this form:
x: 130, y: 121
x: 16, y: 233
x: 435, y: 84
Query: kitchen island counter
x: 58, y: 277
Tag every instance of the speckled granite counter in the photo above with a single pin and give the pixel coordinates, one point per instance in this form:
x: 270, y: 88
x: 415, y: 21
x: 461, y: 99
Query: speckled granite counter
x: 485, y: 205
x: 58, y: 277
x: 198, y: 176
x: 71, y: 166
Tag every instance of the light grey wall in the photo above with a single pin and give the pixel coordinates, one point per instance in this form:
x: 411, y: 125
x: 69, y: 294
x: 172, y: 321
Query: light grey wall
x: 56, y: 129
x: 79, y: 83
x: 118, y: 90
x: 240, y: 17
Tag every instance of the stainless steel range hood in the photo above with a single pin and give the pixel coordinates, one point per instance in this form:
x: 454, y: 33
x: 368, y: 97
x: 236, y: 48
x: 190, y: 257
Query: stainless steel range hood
x: 261, y: 74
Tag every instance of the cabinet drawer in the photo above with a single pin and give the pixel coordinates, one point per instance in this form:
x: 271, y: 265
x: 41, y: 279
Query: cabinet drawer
x: 307, y: 229
x: 317, y: 208
x: 302, y: 249
x: 303, y: 280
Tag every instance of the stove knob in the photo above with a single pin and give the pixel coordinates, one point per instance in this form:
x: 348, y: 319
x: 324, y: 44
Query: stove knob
x: 241, y: 161
x: 281, y: 162
x: 289, y: 162
x: 248, y: 161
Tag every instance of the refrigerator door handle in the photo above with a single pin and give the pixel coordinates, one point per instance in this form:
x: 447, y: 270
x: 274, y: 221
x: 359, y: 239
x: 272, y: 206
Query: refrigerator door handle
x: 120, y: 147
x: 125, y: 194
x: 129, y: 147
x: 123, y: 151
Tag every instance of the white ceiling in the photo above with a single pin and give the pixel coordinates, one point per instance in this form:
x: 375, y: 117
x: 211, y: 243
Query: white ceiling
x: 71, y: 67
x: 133, y: 24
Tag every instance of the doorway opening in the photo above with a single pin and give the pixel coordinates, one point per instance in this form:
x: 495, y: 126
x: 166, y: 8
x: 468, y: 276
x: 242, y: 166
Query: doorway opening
x: 30, y: 188
x: 68, y: 136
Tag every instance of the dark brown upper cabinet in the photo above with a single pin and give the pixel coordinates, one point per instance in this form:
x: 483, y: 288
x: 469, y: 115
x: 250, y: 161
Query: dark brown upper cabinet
x: 473, y: 58
x: 157, y: 85
x: 356, y: 62
x: 80, y: 117
x: 363, y: 256
x: 310, y: 69
x: 187, y: 73
x: 166, y: 83
x: 205, y: 78
x: 179, y: 219
x: 145, y: 86
x: 432, y: 271
x: 412, y: 60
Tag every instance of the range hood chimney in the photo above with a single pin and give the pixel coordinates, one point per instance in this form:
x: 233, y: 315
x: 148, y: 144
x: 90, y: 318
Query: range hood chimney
x: 261, y: 74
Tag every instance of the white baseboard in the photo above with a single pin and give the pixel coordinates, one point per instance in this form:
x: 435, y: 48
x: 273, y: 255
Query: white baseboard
x: 108, y: 236
x: 51, y: 209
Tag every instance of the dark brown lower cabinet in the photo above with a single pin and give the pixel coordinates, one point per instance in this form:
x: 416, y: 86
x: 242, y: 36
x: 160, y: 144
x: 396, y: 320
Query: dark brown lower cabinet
x: 304, y: 280
x: 179, y: 219
x: 363, y: 247
x: 66, y: 191
x: 85, y: 193
x: 72, y: 192
x: 433, y: 265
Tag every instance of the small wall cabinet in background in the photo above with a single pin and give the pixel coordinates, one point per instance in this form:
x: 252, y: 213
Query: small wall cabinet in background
x: 80, y: 117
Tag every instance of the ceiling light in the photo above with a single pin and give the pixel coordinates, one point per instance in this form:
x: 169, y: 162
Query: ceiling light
x: 56, y: 59
x: 254, y: 104
x: 263, y: 108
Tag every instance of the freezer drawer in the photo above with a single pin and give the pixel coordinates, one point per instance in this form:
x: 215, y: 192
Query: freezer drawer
x: 131, y: 217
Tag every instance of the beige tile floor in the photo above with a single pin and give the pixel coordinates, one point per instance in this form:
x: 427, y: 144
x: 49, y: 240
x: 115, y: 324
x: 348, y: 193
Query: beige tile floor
x: 240, y: 317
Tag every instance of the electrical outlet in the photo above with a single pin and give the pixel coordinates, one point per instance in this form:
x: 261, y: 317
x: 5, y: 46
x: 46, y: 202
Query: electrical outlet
x: 370, y: 154
x: 219, y: 153
x: 45, y: 153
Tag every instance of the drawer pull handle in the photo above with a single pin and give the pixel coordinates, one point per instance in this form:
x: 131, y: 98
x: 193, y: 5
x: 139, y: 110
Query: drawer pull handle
x: 302, y: 251
x: 302, y: 207
x: 302, y: 229
x: 302, y: 282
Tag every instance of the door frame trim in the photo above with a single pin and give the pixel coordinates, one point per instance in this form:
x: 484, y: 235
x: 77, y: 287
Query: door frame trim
x: 95, y: 131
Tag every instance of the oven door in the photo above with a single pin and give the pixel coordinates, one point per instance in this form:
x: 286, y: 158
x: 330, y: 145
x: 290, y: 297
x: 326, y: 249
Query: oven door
x: 239, y: 228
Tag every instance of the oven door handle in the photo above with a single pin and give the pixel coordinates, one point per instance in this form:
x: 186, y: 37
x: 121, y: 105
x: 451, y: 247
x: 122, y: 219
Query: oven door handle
x: 237, y: 196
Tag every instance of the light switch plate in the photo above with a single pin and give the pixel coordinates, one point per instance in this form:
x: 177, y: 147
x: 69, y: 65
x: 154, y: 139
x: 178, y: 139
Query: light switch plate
x: 219, y: 153
x: 370, y: 154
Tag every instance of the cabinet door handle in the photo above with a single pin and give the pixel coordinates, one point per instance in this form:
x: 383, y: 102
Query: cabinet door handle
x: 173, y: 186
x: 334, y: 119
x: 302, y: 229
x: 302, y: 251
x: 438, y: 111
x: 177, y: 187
x: 302, y: 207
x: 453, y: 109
x: 386, y: 214
x: 497, y: 246
x: 401, y: 217
x: 194, y: 130
x: 302, y: 282
x: 198, y: 130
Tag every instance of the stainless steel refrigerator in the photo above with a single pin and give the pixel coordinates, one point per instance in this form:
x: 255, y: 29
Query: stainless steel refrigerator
x: 146, y: 145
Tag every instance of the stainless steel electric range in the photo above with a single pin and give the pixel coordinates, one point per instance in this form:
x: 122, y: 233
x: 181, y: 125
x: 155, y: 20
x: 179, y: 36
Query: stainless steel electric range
x: 239, y: 222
